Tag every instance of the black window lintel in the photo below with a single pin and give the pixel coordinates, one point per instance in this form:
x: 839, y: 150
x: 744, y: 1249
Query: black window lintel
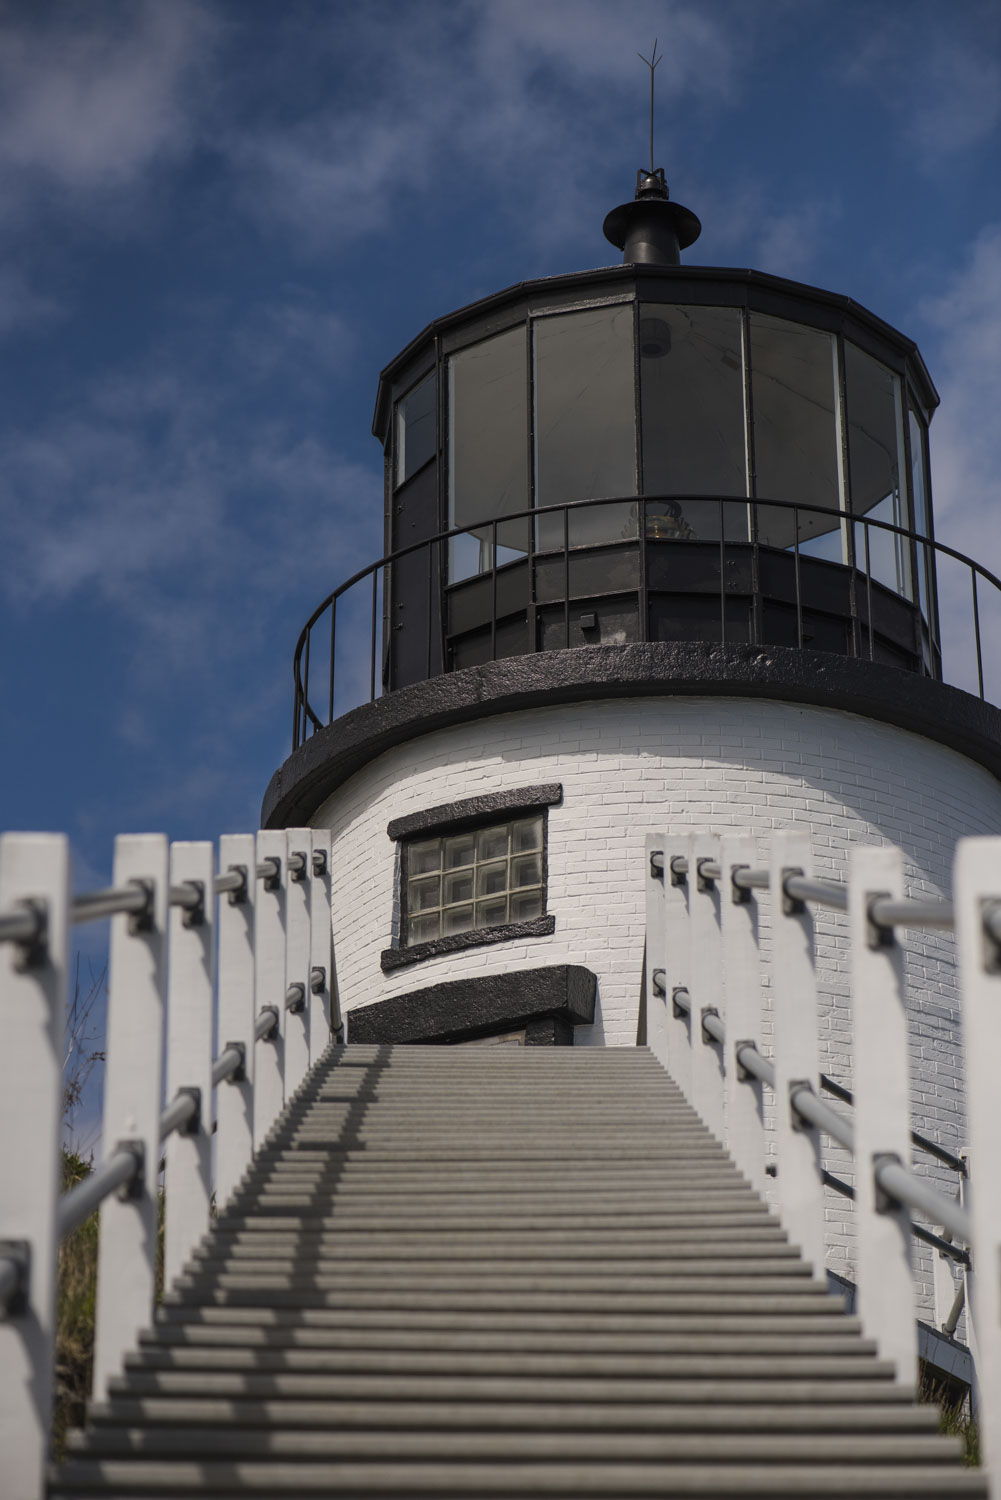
x: 454, y: 816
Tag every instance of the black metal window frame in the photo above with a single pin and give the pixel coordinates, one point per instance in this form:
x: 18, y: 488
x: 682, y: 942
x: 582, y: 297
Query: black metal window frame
x: 470, y: 815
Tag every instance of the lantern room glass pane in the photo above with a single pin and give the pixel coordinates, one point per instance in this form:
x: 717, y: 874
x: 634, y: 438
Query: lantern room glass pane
x: 585, y: 422
x: 796, y: 448
x: 692, y: 393
x: 875, y: 450
x: 415, y: 429
x: 488, y: 451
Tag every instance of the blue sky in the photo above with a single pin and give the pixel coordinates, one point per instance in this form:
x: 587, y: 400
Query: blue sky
x: 222, y: 217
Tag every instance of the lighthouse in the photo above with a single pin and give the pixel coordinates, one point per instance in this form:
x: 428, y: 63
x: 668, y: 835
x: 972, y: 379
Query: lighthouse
x: 659, y: 552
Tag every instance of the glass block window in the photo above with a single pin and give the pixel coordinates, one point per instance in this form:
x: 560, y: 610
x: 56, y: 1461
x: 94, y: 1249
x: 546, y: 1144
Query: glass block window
x: 486, y: 877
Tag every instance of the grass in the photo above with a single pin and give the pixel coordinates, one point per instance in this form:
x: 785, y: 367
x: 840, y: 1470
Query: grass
x: 76, y: 1292
x: 955, y: 1418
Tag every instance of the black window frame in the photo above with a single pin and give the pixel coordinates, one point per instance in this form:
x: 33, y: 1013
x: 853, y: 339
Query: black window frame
x: 463, y: 817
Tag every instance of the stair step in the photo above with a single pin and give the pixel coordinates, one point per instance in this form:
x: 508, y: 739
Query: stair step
x: 409, y: 1202
x: 698, y: 1364
x: 391, y: 1387
x: 520, y: 1479
x: 896, y: 1416
x: 297, y: 1445
x: 759, y: 1259
x: 473, y: 1285
x: 521, y: 1339
x: 759, y: 1302
x: 464, y: 1166
x: 459, y: 1268
x: 752, y: 1216
x: 622, y: 1242
x: 757, y: 1321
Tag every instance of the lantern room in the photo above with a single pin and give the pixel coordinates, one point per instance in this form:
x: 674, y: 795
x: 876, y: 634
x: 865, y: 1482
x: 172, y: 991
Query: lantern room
x: 656, y: 452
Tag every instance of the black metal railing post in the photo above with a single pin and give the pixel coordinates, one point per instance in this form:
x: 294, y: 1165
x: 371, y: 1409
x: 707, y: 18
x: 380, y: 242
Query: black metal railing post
x: 976, y: 634
x: 333, y: 647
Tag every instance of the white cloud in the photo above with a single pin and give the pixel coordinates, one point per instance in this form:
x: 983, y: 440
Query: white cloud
x: 92, y: 97
x: 156, y: 498
x: 294, y: 337
x: 783, y: 241
x: 20, y: 305
x: 479, y: 89
x: 942, y: 87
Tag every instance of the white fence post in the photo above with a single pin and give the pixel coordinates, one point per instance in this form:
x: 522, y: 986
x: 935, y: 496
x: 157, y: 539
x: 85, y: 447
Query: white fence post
x: 190, y: 1007
x: 677, y: 949
x: 269, y: 953
x: 297, y: 914
x: 235, y: 1099
x: 705, y: 967
x: 745, y: 1120
x: 126, y: 1267
x: 320, y: 999
x: 886, y: 1300
x: 33, y: 867
x: 977, y: 893
x: 800, y: 1189
x: 657, y: 1004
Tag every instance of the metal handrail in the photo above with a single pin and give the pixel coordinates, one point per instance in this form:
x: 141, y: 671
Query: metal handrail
x: 25, y: 923
x: 811, y: 1108
x: 896, y: 1180
x: 131, y: 900
x: 266, y: 1025
x: 884, y: 911
x: 838, y: 516
x: 231, y: 1061
x: 747, y: 879
x: 832, y: 893
x: 899, y: 1182
x: 116, y: 1172
x: 125, y: 1164
x: 750, y: 1060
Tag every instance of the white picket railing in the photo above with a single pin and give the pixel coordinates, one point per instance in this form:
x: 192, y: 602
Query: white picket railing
x: 214, y: 979
x: 704, y: 1009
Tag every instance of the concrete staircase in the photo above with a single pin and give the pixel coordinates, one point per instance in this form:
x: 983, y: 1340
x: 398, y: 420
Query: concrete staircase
x: 502, y: 1271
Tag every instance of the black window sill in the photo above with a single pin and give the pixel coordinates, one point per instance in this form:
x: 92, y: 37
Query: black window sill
x: 402, y: 958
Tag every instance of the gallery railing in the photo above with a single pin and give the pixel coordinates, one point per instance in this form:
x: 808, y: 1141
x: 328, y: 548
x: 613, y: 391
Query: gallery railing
x: 344, y: 654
